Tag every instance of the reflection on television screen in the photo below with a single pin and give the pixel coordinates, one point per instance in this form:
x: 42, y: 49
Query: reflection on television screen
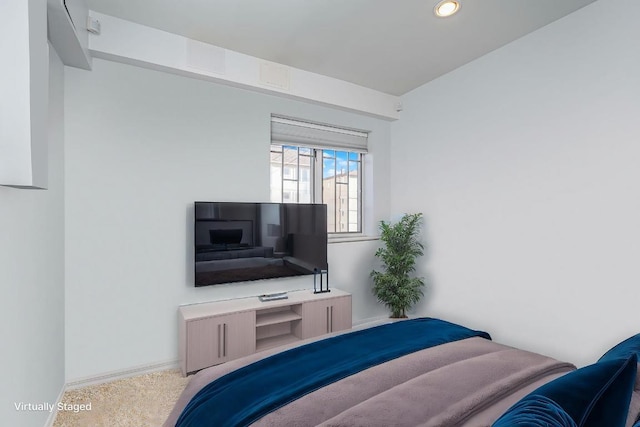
x: 237, y: 242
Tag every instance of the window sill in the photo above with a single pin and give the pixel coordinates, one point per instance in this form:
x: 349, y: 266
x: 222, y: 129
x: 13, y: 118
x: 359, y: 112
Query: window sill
x: 353, y: 238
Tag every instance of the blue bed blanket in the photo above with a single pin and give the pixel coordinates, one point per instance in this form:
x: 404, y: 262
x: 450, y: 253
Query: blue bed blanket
x: 247, y: 394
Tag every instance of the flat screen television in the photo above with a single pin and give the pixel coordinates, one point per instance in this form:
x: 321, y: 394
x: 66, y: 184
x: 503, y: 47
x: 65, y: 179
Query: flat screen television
x: 237, y: 242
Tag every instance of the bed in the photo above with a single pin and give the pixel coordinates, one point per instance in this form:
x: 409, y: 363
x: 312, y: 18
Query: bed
x: 418, y: 372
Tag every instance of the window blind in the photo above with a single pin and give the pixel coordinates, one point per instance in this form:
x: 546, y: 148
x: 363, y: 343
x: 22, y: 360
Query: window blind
x: 295, y: 132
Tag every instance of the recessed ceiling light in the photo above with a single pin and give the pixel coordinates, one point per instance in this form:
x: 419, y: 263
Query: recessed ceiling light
x: 446, y: 8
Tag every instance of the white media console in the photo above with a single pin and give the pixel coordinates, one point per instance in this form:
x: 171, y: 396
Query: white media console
x: 216, y: 332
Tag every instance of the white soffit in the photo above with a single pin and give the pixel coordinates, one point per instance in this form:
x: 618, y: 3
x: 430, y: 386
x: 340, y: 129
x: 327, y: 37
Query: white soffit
x: 135, y: 44
x: 389, y: 46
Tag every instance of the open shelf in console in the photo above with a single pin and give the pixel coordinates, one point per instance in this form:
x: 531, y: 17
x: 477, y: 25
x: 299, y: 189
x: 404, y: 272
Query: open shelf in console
x: 275, y: 341
x: 277, y: 326
x: 264, y: 319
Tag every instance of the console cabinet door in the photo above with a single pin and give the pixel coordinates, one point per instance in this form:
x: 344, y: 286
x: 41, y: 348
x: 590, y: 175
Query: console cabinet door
x: 239, y: 335
x: 203, y: 343
x: 215, y: 340
x: 326, y: 316
x: 341, y: 314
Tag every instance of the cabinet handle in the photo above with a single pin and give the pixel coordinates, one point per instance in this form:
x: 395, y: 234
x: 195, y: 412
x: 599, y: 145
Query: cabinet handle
x: 224, y: 342
x: 328, y: 320
x: 219, y: 342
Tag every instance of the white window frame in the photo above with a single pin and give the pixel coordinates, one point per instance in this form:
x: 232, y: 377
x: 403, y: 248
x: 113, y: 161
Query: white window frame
x: 288, y: 132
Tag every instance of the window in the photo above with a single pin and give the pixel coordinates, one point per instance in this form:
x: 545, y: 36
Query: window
x: 291, y: 171
x: 329, y: 171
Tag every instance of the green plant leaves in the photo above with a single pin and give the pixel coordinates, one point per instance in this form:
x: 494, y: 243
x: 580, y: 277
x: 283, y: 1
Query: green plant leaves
x: 394, y: 287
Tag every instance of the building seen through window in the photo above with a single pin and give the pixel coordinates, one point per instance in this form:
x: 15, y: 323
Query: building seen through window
x: 313, y: 175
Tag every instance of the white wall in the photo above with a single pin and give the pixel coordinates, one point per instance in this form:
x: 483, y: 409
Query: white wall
x: 141, y: 147
x: 32, y: 279
x: 525, y: 163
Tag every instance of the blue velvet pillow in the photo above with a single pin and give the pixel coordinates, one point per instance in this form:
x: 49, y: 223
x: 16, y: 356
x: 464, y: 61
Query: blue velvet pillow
x: 535, y: 411
x: 594, y: 396
x: 624, y: 350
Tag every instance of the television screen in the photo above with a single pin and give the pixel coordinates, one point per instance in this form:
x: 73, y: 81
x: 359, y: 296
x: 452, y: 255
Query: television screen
x: 237, y: 242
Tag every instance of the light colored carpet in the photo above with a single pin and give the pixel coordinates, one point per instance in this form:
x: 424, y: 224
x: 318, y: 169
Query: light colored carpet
x: 144, y: 400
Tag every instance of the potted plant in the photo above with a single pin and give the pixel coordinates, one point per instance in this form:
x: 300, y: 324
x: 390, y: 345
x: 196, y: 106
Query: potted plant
x: 394, y: 286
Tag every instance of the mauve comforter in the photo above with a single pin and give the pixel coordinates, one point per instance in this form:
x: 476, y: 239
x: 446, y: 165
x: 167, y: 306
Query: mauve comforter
x: 464, y: 383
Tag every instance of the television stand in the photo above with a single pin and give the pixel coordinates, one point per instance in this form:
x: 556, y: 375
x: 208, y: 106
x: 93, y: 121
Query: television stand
x: 216, y: 332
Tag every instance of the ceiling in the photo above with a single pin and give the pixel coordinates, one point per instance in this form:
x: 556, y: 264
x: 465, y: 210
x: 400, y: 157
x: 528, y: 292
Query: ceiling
x: 392, y: 46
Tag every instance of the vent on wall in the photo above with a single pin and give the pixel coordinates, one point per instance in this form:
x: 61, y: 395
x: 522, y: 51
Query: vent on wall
x: 275, y: 75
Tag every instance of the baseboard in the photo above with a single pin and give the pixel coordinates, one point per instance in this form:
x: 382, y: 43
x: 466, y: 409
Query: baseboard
x: 120, y: 374
x: 52, y: 415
